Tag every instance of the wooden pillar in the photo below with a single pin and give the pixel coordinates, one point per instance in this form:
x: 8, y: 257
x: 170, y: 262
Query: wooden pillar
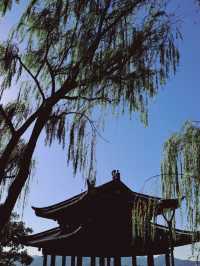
x: 172, y: 256
x: 79, y: 261
x: 73, y: 260
x: 53, y: 260
x: 45, y: 260
x: 63, y: 260
x: 108, y: 261
x: 167, y: 259
x: 150, y: 260
x: 134, y: 261
x: 117, y: 261
x: 102, y: 261
x: 92, y: 261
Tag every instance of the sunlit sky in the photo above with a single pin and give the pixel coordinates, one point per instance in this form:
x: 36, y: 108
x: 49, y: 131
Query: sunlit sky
x: 130, y: 147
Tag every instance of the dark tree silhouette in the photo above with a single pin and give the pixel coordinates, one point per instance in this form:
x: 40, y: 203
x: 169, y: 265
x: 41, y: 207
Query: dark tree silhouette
x: 11, y: 251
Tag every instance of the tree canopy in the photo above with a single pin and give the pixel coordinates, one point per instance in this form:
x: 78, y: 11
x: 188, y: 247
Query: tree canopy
x: 11, y: 251
x: 68, y: 62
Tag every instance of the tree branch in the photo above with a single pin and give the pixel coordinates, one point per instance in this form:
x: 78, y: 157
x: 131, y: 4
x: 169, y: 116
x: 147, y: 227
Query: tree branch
x: 70, y: 46
x: 45, y: 56
x: 7, y: 120
x: 24, y: 169
x: 71, y: 98
x: 33, y: 77
x: 82, y: 114
x: 51, y: 72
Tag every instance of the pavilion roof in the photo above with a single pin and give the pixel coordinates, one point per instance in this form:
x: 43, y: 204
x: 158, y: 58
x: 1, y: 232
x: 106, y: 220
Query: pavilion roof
x: 100, y: 192
x: 81, y: 242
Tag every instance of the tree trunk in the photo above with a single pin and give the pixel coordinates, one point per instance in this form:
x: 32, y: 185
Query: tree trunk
x: 6, y: 154
x: 22, y: 176
x: 13, y: 142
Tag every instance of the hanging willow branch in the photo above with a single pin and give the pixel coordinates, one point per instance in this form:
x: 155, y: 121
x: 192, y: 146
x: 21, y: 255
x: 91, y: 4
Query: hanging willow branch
x: 82, y: 58
x: 182, y: 157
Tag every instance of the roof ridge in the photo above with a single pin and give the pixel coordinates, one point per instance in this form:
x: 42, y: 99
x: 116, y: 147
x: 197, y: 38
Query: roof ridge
x: 74, y: 197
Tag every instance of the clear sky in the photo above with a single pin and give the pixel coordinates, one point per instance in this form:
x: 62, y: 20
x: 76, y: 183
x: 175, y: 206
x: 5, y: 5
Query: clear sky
x: 133, y: 149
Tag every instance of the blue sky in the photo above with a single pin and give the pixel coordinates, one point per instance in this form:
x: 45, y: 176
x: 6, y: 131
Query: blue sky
x: 133, y: 149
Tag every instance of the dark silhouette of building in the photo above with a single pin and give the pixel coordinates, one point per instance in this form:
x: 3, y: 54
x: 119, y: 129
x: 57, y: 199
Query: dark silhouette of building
x: 99, y: 223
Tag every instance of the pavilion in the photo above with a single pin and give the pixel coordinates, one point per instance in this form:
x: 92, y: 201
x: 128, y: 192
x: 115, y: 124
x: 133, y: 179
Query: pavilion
x: 99, y: 223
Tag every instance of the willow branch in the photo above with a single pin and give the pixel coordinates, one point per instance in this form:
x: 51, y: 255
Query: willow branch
x: 7, y: 120
x: 51, y: 72
x: 4, y: 158
x: 81, y: 114
x: 71, y: 98
x: 29, y: 121
x: 45, y: 57
x: 70, y: 46
x: 157, y: 176
x: 70, y: 83
x: 33, y: 77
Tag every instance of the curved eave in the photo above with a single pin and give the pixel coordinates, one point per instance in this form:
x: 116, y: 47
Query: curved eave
x: 44, y: 238
x: 182, y: 237
x: 51, y: 211
x: 80, y: 239
x: 48, y: 212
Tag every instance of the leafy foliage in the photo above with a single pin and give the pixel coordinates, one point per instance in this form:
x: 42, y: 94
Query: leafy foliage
x: 14, y: 112
x: 6, y: 5
x: 11, y: 251
x: 73, y: 61
x: 114, y: 58
x: 181, y: 170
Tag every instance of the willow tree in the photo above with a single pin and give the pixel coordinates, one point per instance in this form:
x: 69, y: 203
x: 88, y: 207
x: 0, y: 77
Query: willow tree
x: 70, y: 61
x: 181, y: 170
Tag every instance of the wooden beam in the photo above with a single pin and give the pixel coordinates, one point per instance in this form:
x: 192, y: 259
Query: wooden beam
x: 79, y: 261
x: 92, y: 261
x: 45, y: 260
x: 167, y: 259
x: 73, y: 258
x: 53, y: 260
x: 117, y: 261
x: 134, y: 261
x: 63, y: 260
x: 101, y: 261
x: 150, y: 260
